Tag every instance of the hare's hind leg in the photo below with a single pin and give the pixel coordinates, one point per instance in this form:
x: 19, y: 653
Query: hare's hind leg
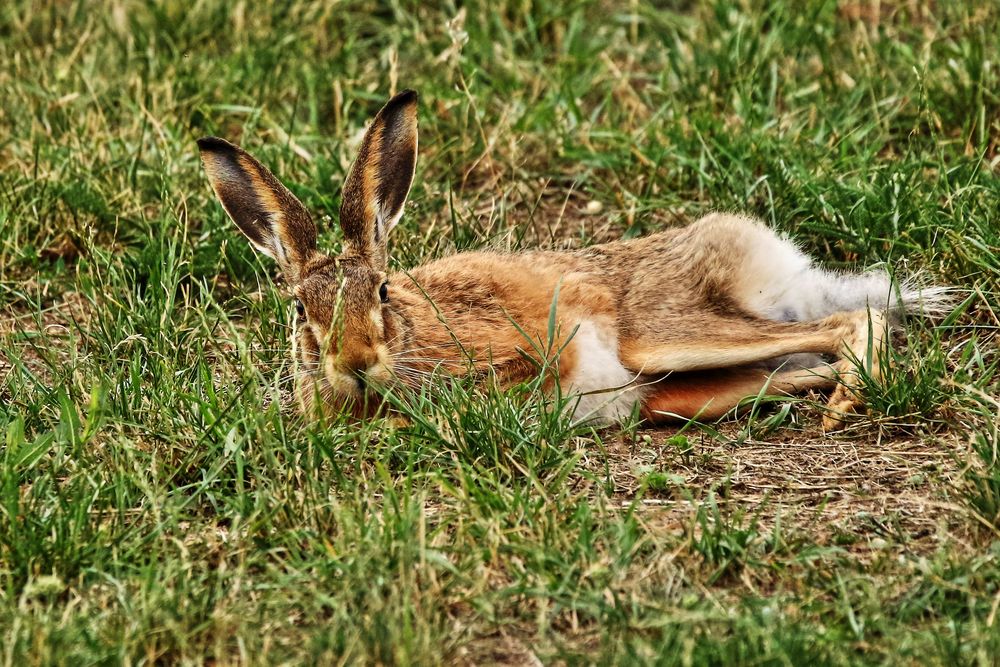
x: 711, y: 341
x: 711, y: 394
x: 718, y: 346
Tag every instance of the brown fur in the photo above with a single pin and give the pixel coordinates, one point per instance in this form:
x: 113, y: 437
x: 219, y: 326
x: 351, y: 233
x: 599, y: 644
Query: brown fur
x: 670, y: 299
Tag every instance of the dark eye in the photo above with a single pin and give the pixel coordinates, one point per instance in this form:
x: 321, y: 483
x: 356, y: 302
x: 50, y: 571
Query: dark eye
x: 383, y: 292
x: 300, y: 309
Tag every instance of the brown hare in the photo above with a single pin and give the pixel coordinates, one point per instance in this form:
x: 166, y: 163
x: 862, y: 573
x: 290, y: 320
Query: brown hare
x: 683, y: 323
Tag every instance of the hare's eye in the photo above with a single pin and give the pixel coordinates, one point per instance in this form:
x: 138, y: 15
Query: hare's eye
x: 383, y: 292
x: 300, y: 309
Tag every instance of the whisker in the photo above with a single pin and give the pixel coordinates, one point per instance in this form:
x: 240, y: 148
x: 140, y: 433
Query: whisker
x: 430, y: 360
x: 426, y: 347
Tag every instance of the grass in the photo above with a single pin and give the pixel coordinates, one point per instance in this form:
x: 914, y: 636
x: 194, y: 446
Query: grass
x: 161, y: 500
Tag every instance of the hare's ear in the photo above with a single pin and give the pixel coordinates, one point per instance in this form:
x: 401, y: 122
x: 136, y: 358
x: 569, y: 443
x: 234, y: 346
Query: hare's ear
x: 376, y: 189
x: 276, y: 223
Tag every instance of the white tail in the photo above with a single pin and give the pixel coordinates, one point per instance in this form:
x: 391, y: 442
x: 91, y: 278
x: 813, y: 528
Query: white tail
x: 780, y: 282
x: 875, y: 289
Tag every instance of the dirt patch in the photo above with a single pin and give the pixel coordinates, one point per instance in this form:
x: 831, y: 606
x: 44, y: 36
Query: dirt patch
x: 510, y: 647
x: 856, y: 489
x: 38, y: 335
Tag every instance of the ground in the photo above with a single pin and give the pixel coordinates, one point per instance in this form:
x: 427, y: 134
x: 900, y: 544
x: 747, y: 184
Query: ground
x: 162, y: 501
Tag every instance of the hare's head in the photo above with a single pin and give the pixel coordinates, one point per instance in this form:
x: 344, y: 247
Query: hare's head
x: 347, y: 322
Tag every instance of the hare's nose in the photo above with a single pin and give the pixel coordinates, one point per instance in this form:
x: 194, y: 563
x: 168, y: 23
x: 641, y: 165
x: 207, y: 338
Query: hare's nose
x: 359, y: 362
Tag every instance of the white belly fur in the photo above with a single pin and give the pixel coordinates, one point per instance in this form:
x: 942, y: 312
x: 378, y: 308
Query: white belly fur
x: 599, y: 387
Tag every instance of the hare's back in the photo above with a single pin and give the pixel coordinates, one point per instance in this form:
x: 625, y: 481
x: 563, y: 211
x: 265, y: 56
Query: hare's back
x: 484, y: 291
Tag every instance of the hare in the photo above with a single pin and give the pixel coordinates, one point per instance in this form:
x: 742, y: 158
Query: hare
x: 684, y: 323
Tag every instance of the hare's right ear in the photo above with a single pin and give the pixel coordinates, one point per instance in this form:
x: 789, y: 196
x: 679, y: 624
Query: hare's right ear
x: 376, y: 188
x: 276, y: 223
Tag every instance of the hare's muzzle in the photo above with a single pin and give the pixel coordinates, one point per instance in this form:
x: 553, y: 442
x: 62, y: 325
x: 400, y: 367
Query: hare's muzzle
x: 352, y: 374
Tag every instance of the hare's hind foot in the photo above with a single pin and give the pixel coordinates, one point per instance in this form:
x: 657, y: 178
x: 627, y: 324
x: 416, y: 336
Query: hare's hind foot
x: 861, y: 358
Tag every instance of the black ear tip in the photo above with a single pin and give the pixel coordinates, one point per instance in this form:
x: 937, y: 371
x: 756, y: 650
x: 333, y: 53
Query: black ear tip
x: 404, y: 97
x: 216, y: 145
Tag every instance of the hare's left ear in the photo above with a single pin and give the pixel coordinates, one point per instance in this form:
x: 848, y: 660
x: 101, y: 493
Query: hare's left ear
x: 275, y: 222
x: 376, y: 189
